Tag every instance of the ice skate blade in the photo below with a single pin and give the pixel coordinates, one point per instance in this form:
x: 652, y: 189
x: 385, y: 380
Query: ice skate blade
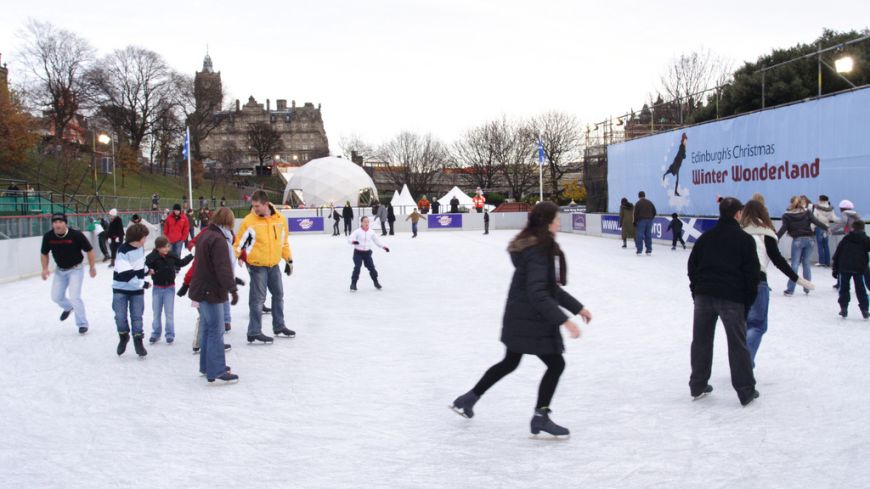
x: 219, y: 382
x: 548, y: 437
x: 458, y: 411
x: 700, y: 396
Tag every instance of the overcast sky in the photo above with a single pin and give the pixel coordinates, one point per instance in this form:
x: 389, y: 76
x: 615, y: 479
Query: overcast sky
x: 379, y: 67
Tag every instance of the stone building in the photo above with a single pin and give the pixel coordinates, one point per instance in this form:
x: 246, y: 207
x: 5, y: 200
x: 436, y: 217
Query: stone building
x: 300, y: 128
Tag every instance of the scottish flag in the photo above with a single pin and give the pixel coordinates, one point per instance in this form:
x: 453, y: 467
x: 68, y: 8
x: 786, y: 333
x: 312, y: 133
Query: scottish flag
x: 540, y: 152
x: 186, y: 149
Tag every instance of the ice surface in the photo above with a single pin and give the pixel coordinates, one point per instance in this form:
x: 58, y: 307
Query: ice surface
x: 360, y: 398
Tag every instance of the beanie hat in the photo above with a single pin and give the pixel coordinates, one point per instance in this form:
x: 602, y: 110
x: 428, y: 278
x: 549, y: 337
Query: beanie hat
x: 176, y: 207
x: 58, y: 216
x: 847, y: 204
x: 113, y: 212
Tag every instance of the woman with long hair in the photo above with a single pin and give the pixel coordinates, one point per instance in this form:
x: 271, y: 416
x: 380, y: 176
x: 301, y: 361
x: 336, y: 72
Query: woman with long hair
x: 756, y: 222
x: 533, y: 316
x: 797, y: 222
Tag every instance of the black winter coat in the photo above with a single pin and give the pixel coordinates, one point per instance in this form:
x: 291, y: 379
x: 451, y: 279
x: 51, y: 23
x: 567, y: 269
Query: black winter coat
x: 347, y: 213
x: 532, y: 316
x: 116, y: 230
x: 724, y: 264
x: 391, y: 215
x: 851, y: 254
x: 797, y: 224
x: 165, y: 267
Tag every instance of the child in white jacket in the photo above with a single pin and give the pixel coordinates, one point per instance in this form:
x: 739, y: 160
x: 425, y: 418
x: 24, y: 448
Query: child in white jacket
x: 363, y: 239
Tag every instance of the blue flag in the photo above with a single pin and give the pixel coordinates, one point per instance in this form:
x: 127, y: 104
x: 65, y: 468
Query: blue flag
x: 540, y: 152
x: 186, y: 144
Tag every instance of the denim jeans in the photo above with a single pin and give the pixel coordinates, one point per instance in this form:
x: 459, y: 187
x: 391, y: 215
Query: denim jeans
x: 177, y: 248
x: 414, y: 228
x: 263, y: 278
x: 824, y: 248
x: 70, y: 280
x: 121, y: 303
x: 212, y: 361
x: 756, y: 322
x: 196, y: 329
x: 801, y: 249
x: 163, y: 299
x: 643, y: 235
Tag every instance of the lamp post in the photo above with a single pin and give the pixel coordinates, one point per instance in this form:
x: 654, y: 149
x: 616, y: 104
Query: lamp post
x: 105, y: 139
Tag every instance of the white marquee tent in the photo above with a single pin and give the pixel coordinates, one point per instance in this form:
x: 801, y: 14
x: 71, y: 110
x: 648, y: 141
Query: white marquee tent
x: 464, y: 199
x: 329, y: 180
x: 403, y: 200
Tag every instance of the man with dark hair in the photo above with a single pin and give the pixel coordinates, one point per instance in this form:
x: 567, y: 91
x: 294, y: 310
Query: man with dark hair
x: 66, y: 246
x: 644, y: 213
x: 724, y: 272
x: 263, y: 238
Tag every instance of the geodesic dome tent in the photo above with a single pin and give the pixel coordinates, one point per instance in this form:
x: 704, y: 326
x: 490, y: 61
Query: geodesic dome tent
x: 329, y: 180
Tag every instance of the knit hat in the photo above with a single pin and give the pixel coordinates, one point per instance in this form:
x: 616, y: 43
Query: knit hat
x: 113, y: 212
x: 847, y: 204
x: 58, y: 216
x: 176, y: 207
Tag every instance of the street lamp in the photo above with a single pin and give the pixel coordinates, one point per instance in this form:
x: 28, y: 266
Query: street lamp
x: 105, y: 139
x: 844, y: 64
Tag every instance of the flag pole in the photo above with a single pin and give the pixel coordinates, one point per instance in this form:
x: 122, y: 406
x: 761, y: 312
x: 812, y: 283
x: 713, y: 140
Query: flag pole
x: 189, y: 172
x: 540, y: 169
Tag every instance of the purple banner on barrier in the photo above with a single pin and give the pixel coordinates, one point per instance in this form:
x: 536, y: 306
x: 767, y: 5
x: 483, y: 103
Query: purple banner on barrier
x: 578, y: 222
x: 443, y: 221
x: 305, y: 224
x: 693, y: 227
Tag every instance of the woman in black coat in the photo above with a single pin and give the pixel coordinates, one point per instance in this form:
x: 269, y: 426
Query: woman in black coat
x: 391, y: 218
x: 533, y: 316
x: 347, y: 215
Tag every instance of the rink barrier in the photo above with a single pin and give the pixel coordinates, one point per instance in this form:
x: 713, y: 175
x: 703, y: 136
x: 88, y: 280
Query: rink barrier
x: 306, y: 221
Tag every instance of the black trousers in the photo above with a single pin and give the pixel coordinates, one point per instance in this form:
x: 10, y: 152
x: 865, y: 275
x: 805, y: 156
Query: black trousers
x: 335, y: 231
x: 347, y: 226
x: 555, y: 366
x: 676, y: 238
x: 485, y: 227
x: 846, y: 279
x: 391, y: 223
x: 733, y: 314
x: 114, y: 245
x: 363, y: 258
x: 101, y: 239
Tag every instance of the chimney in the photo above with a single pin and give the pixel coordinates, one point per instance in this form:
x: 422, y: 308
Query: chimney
x: 268, y: 105
x: 237, y: 105
x: 294, y: 103
x: 282, y: 104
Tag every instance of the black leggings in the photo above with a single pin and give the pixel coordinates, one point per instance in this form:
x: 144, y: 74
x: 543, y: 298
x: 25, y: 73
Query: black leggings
x: 555, y: 365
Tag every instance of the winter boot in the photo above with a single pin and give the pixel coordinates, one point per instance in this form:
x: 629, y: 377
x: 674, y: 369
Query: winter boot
x: 83, y: 329
x: 844, y: 312
x: 227, y: 377
x: 541, y: 422
x: 138, y: 344
x: 283, y: 332
x: 704, y: 393
x: 752, y: 397
x: 124, y: 338
x: 65, y: 315
x: 260, y: 337
x: 464, y: 404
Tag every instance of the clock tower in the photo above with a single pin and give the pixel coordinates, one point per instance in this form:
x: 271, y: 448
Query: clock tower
x: 207, y: 88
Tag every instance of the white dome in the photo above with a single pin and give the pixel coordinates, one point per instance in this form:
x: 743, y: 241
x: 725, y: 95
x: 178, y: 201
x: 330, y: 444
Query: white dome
x: 330, y: 180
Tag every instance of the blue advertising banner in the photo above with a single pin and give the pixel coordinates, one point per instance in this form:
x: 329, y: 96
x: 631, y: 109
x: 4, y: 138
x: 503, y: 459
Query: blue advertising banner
x: 693, y: 228
x: 442, y: 221
x: 810, y: 148
x: 578, y: 222
x: 305, y: 224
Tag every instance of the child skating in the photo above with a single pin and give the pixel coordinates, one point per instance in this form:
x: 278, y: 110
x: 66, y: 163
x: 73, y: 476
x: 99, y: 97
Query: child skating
x: 362, y: 240
x: 849, y: 266
x: 676, y: 228
x: 165, y: 265
x: 128, y: 289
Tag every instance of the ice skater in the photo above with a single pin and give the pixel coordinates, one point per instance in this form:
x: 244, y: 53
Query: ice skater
x: 128, y: 289
x: 66, y: 246
x: 415, y: 218
x: 165, y: 265
x: 362, y: 240
x: 676, y: 229
x: 674, y: 169
x: 533, y: 316
x: 850, y: 265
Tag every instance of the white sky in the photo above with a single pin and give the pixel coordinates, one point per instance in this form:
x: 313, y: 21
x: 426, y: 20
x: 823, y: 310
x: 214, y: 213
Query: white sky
x: 382, y: 66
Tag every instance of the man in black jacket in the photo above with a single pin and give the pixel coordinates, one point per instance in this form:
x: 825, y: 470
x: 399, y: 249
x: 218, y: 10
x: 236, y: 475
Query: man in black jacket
x: 723, y: 277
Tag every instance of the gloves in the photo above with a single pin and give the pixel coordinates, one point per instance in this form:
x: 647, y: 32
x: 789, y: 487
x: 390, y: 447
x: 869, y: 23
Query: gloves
x: 146, y: 285
x: 806, y: 284
x: 235, y: 298
x: 288, y: 268
x: 182, y: 290
x: 239, y: 282
x: 386, y: 249
x: 835, y: 274
x: 355, y: 242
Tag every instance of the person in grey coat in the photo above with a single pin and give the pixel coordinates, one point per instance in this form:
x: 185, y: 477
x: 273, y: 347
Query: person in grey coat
x: 382, y: 216
x: 533, y: 315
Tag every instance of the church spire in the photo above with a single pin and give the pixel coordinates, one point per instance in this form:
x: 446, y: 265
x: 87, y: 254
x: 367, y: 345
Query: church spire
x: 206, y: 62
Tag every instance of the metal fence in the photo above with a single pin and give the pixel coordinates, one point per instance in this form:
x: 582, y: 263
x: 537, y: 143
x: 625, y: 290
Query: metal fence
x: 12, y: 227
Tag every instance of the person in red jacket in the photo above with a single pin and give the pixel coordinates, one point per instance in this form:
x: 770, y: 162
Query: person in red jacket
x: 176, y: 228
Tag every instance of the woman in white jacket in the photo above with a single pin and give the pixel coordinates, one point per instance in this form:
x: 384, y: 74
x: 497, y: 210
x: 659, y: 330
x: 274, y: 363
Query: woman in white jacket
x: 363, y: 239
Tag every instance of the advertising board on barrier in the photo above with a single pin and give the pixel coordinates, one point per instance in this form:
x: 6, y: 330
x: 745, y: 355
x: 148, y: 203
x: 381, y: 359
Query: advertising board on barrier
x: 305, y: 224
x: 444, y: 221
x: 808, y: 148
x: 692, y: 230
x: 578, y: 222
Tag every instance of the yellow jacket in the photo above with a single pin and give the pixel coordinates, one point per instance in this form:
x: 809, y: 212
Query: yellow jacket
x: 264, y: 240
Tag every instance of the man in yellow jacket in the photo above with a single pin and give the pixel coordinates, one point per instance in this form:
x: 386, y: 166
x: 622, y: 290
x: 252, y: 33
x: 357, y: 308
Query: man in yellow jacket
x: 262, y: 242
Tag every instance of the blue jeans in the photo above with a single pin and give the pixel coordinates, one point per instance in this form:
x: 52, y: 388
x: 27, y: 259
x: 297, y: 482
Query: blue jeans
x: 121, y: 303
x: 824, y: 249
x: 414, y: 228
x: 643, y: 235
x: 197, y: 329
x: 263, y: 278
x: 212, y: 361
x: 177, y: 248
x: 801, y: 249
x: 70, y: 280
x: 163, y: 299
x: 756, y: 322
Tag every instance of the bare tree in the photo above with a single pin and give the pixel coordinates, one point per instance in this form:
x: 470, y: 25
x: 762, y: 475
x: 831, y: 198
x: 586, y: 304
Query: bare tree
x: 689, y: 75
x: 201, y: 113
x: 513, y: 151
x: 229, y: 156
x: 560, y: 136
x: 354, y: 144
x: 166, y: 136
x: 414, y: 160
x: 474, y: 155
x: 264, y: 140
x: 133, y: 85
x: 58, y: 59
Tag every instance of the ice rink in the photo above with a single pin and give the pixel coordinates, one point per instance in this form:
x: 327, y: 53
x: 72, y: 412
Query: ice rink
x: 360, y: 397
